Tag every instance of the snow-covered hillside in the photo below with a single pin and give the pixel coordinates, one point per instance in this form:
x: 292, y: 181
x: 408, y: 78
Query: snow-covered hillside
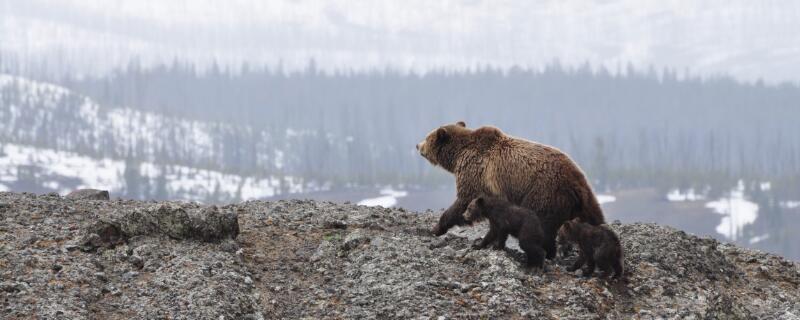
x: 53, y: 117
x: 32, y: 111
x: 46, y: 170
x: 52, y: 139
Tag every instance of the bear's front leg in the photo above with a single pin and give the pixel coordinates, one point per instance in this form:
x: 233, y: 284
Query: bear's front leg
x: 589, y: 268
x: 549, y: 243
x: 488, y: 239
x: 453, y: 216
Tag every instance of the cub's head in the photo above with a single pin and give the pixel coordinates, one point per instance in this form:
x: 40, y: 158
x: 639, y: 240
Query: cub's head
x: 441, y: 145
x: 569, y: 231
x: 476, y: 210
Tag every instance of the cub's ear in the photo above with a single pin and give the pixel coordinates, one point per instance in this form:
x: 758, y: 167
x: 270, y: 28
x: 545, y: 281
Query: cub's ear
x: 488, y: 132
x: 479, y: 201
x: 442, y: 135
x: 461, y: 124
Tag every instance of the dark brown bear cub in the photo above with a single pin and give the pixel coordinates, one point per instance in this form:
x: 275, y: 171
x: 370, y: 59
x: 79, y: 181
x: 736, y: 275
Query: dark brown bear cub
x: 598, y: 246
x: 507, y: 219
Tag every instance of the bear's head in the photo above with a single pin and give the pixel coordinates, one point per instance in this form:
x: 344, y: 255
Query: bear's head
x: 476, y: 210
x: 440, y: 146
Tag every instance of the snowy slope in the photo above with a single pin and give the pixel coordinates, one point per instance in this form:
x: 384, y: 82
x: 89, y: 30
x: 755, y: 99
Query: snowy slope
x: 52, y: 139
x: 748, y: 39
x: 46, y: 170
x: 46, y: 115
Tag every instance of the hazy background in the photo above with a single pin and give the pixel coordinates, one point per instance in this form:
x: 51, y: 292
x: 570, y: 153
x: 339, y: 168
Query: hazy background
x: 683, y: 113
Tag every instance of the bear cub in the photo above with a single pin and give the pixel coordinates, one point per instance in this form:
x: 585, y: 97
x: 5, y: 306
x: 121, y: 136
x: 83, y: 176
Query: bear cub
x: 507, y: 219
x: 598, y: 245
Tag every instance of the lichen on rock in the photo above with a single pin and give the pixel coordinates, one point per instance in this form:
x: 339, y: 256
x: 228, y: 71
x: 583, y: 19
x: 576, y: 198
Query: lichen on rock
x: 299, y: 259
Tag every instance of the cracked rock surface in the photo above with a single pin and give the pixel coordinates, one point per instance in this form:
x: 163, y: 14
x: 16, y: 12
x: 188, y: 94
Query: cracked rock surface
x: 88, y: 259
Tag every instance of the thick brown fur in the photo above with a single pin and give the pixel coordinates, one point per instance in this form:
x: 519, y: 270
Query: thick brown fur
x: 525, y: 173
x: 599, y: 246
x: 507, y: 219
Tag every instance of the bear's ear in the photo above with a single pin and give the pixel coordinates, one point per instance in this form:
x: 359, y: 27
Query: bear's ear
x: 461, y: 124
x: 442, y: 135
x: 479, y: 201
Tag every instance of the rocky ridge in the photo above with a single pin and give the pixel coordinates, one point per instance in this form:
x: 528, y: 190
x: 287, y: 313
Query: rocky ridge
x: 120, y: 259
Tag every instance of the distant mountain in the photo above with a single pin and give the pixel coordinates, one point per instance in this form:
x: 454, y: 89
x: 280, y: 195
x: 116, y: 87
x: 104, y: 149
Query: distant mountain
x: 746, y: 39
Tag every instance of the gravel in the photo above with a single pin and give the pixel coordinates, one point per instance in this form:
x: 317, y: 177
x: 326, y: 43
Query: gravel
x: 119, y: 259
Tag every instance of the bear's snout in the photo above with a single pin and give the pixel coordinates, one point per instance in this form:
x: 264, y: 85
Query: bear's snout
x: 421, y: 145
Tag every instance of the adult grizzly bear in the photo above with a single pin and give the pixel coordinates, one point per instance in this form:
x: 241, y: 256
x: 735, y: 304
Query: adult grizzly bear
x: 525, y: 173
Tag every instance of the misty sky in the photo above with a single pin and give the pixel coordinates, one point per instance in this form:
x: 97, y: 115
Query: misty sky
x: 745, y: 39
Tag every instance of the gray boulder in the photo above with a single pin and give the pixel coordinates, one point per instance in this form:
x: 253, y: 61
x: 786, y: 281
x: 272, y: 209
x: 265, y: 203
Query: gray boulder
x: 88, y: 194
x: 175, y: 221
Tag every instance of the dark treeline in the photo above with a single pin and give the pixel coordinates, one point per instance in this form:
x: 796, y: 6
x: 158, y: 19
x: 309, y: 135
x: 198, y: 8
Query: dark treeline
x: 629, y: 128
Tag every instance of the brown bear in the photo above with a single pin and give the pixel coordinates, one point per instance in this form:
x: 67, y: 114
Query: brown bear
x: 507, y: 219
x: 598, y: 245
x: 525, y: 173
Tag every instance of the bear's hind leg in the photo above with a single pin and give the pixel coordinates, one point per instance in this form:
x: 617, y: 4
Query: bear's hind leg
x: 578, y: 263
x: 500, y: 243
x: 534, y: 253
x: 549, y: 244
x: 617, y: 268
x: 535, y: 257
x: 589, y: 270
x: 605, y: 268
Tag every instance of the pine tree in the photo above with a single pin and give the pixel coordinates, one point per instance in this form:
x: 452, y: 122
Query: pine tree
x: 133, y: 179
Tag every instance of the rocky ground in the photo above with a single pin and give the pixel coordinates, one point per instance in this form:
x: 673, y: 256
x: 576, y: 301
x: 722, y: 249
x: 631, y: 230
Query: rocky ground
x: 75, y: 258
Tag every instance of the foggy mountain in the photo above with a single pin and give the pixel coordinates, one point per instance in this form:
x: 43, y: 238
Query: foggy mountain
x: 745, y: 39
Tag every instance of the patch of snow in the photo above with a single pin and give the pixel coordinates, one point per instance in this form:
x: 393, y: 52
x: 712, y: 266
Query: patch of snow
x: 33, y: 89
x: 760, y: 238
x: 605, y: 198
x: 387, y: 200
x: 790, y: 204
x: 736, y: 210
x: 765, y: 186
x: 677, y: 196
x: 94, y: 173
x: 51, y: 185
x: 182, y: 182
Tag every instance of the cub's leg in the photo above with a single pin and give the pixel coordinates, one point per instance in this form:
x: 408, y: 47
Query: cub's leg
x: 500, y: 244
x: 605, y: 269
x: 533, y: 252
x: 578, y: 263
x: 590, y: 265
x: 617, y: 265
x: 549, y: 243
x: 489, y: 238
